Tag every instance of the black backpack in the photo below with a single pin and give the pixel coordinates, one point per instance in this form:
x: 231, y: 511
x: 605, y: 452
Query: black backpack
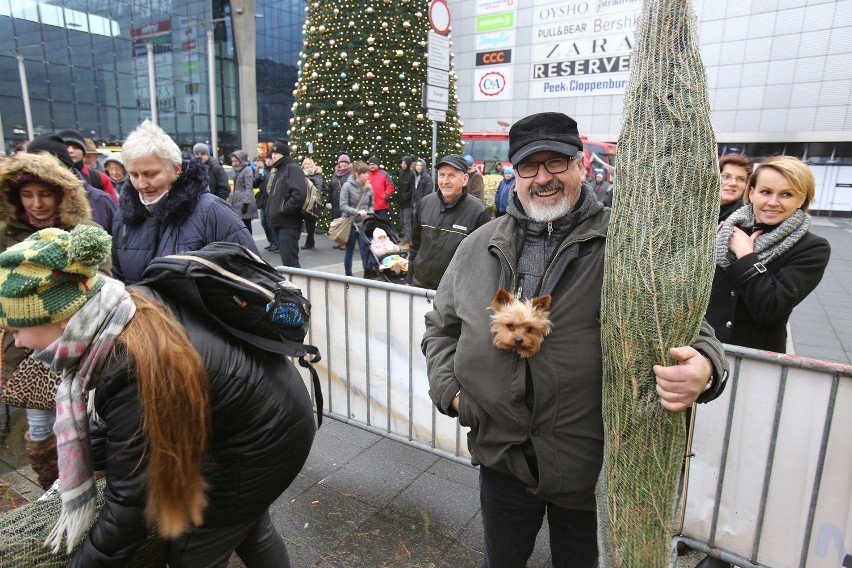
x: 245, y: 296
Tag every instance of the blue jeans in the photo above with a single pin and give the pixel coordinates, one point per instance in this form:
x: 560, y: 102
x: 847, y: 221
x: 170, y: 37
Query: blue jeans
x: 350, y: 251
x: 512, y: 518
x: 40, y: 423
x: 383, y: 213
x: 255, y: 541
x: 288, y: 246
x: 271, y: 237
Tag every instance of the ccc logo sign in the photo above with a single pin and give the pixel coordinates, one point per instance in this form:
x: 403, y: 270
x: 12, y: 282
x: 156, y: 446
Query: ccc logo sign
x: 494, y: 57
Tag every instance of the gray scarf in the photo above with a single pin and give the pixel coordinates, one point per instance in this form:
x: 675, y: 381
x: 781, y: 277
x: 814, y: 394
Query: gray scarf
x: 538, y: 242
x: 769, y: 245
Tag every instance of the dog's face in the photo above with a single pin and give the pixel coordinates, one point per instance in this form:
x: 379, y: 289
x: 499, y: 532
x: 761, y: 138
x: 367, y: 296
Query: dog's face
x: 520, y: 326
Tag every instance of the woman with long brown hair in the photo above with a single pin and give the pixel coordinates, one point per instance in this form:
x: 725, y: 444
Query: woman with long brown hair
x: 198, y: 434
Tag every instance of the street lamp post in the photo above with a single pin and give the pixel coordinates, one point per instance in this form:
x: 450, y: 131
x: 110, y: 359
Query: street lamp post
x: 152, y: 78
x: 211, y: 80
x: 25, y: 94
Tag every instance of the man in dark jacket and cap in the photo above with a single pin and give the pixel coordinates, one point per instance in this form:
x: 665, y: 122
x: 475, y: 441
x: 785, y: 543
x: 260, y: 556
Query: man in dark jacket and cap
x: 287, y: 188
x: 443, y: 220
x: 75, y: 144
x: 217, y: 177
x: 104, y: 208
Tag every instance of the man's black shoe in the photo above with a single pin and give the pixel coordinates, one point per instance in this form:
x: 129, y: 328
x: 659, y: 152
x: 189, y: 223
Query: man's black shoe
x: 307, y: 247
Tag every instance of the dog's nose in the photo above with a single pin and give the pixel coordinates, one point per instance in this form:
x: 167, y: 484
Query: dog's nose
x: 519, y: 341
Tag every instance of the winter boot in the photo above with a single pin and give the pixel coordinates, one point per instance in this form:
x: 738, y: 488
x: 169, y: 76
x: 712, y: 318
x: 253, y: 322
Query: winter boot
x: 42, y: 454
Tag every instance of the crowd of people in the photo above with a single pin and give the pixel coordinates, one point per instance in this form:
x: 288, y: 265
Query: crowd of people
x: 72, y: 252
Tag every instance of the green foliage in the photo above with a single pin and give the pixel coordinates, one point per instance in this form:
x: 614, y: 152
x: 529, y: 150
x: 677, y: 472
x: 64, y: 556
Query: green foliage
x: 361, y: 77
x: 657, y: 278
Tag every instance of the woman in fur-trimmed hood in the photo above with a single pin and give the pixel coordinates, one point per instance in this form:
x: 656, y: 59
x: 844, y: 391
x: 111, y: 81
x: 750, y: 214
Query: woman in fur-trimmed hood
x: 44, y: 170
x: 170, y: 210
x: 38, y: 191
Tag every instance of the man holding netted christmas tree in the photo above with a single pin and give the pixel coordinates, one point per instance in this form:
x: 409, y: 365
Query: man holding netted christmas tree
x: 536, y: 426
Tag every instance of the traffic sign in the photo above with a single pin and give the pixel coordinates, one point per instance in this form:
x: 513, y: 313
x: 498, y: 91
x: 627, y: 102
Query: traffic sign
x: 437, y: 77
x: 439, y: 51
x: 437, y: 115
x: 436, y: 98
x: 439, y: 16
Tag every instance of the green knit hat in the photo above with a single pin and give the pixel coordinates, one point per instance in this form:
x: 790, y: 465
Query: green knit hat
x: 49, y: 276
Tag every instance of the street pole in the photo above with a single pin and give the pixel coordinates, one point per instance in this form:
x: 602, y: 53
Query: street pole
x: 152, y: 85
x: 211, y: 80
x: 2, y: 135
x: 25, y: 93
x: 434, y: 148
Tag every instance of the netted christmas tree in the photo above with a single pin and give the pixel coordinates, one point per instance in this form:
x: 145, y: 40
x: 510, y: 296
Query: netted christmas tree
x: 361, y: 75
x: 657, y: 278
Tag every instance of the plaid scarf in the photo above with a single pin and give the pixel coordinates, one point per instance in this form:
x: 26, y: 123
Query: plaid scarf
x: 78, y: 356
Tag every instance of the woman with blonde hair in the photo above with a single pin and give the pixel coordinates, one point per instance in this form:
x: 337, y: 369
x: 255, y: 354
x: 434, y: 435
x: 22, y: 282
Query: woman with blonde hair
x: 198, y: 433
x: 767, y: 261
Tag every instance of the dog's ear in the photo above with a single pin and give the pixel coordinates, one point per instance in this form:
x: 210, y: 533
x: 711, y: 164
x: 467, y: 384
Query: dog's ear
x: 501, y: 298
x: 542, y: 303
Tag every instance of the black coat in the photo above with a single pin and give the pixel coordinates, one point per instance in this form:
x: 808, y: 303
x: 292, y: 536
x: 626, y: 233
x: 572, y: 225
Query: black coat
x: 218, y: 179
x: 754, y: 312
x: 262, y: 428
x: 286, y: 195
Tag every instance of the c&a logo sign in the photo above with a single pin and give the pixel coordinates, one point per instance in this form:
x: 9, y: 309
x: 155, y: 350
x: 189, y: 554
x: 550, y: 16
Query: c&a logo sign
x: 494, y: 57
x: 492, y: 83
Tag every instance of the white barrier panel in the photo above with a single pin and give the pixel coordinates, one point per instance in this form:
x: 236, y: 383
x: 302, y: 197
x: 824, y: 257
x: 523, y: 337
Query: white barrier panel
x: 373, y: 372
x: 771, y: 478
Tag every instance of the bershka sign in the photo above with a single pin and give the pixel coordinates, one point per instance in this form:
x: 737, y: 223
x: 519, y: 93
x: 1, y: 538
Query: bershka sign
x: 494, y: 57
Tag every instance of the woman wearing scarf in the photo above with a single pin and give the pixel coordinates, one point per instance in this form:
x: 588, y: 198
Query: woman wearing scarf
x: 356, y: 200
x: 197, y: 434
x: 37, y: 191
x: 341, y: 174
x: 766, y: 259
x: 242, y: 198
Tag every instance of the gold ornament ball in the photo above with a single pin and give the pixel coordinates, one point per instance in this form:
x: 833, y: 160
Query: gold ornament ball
x: 371, y: 49
x: 370, y: 9
x: 385, y: 89
x: 350, y: 114
x: 351, y: 24
x: 406, y: 24
x: 402, y: 105
x: 370, y: 75
x: 419, y: 116
x: 309, y: 105
x: 370, y: 103
x: 371, y: 40
x: 377, y: 115
x: 339, y: 103
x: 322, y: 29
x: 415, y: 64
x: 343, y: 55
x: 323, y: 112
x: 384, y: 25
x: 399, y: 53
x: 350, y: 138
x: 393, y: 151
x: 328, y: 64
x: 356, y: 87
x: 360, y: 122
x: 313, y: 29
x: 393, y: 126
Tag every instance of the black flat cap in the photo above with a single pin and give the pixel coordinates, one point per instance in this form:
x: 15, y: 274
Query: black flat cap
x: 455, y: 161
x: 73, y: 137
x: 546, y: 131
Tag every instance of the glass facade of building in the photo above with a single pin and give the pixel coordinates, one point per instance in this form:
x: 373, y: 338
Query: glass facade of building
x: 86, y: 65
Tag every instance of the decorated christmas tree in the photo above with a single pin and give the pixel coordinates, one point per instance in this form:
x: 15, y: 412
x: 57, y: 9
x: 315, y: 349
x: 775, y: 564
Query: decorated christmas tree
x: 361, y: 75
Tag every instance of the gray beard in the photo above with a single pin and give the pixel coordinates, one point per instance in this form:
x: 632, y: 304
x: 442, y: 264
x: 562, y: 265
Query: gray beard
x: 547, y: 213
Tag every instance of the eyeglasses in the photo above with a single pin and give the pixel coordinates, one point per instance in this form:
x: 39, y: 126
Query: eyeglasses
x: 728, y: 177
x: 553, y: 166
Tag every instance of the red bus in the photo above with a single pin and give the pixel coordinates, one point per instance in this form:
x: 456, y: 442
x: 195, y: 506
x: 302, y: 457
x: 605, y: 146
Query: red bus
x: 490, y: 151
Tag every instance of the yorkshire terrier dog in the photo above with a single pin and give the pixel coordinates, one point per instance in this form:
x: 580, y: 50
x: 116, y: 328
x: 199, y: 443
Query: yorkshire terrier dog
x: 520, y: 326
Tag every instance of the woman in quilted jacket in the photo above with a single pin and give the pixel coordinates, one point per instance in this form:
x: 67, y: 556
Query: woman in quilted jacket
x: 242, y: 199
x: 198, y: 433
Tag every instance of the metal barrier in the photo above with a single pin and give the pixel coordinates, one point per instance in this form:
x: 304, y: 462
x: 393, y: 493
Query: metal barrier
x: 770, y: 474
x: 372, y: 330
x: 770, y: 477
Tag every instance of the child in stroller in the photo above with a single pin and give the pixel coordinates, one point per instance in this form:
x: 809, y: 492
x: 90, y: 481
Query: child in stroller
x: 387, y: 261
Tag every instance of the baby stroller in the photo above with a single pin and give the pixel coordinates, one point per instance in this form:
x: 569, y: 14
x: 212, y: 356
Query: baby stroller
x: 385, y: 263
